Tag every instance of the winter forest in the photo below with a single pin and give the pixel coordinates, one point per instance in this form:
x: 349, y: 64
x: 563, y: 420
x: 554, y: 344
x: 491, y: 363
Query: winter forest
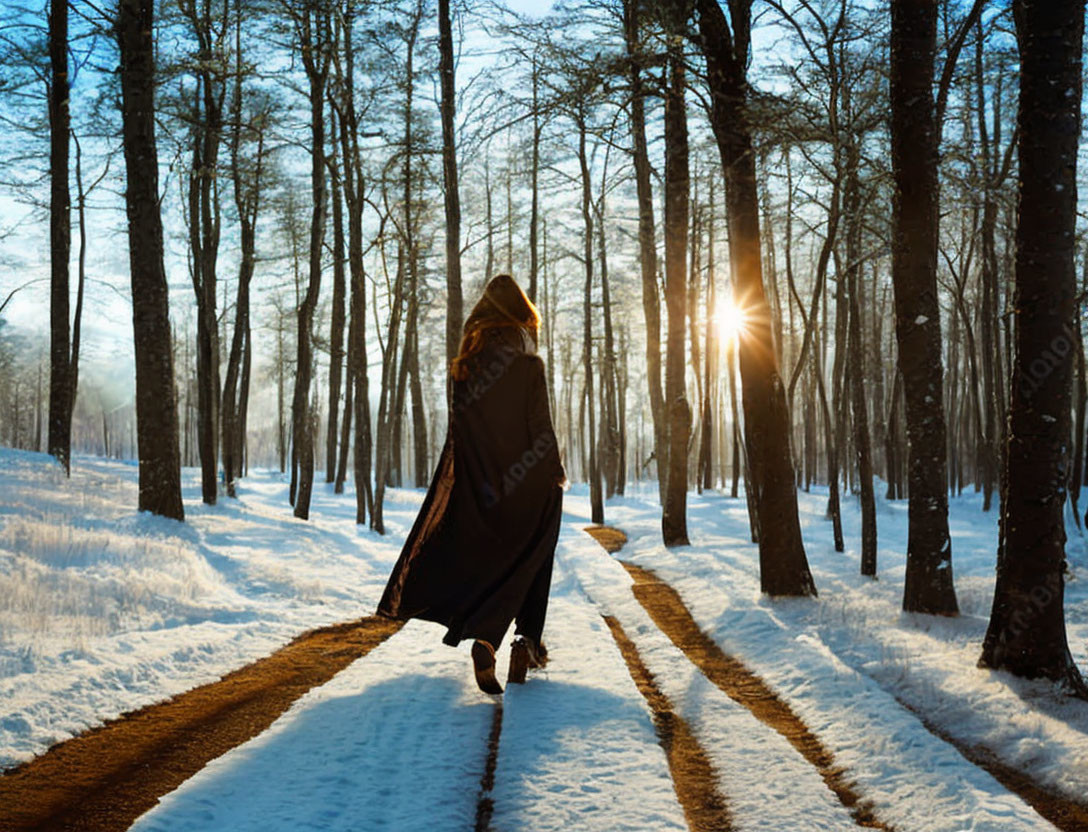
x: 811, y: 278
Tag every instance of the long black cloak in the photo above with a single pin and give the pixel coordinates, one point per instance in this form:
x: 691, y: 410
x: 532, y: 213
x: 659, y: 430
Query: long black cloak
x: 480, y: 551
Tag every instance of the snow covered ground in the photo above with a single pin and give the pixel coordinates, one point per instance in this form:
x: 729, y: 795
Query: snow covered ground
x: 103, y: 610
x: 842, y: 659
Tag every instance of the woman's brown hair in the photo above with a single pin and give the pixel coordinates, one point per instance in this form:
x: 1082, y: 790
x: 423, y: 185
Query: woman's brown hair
x: 503, y: 304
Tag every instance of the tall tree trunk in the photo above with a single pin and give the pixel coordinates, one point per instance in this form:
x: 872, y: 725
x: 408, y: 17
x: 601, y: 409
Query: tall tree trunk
x: 358, y: 392
x: 364, y: 491
x: 620, y: 373
x: 674, y: 528
x: 420, y: 472
x: 233, y: 404
x: 706, y: 446
x: 1026, y: 635
x: 856, y: 368
x: 396, y: 443
x: 407, y: 258
x: 38, y: 403
x: 489, y: 267
x: 60, y: 239
x: 549, y: 318
x: 834, y: 508
x: 890, y: 444
x: 592, y: 467
x: 156, y: 411
x: 281, y: 382
x: 994, y: 171
x: 928, y: 585
x: 812, y: 465
x: 534, y: 171
x: 247, y: 200
x: 783, y: 565
x: 386, y: 403
x: 694, y: 268
x: 187, y: 386
x: 651, y: 303
x: 349, y: 411
x: 509, y: 215
x: 1080, y: 399
x: 243, y: 400
x: 454, y: 303
x: 336, y: 327
x: 204, y: 226
x: 875, y: 361
x: 81, y: 283
x: 314, y: 42
x: 568, y: 396
x: 839, y: 436
x: 731, y: 361
x: 609, y: 416
x: 420, y: 462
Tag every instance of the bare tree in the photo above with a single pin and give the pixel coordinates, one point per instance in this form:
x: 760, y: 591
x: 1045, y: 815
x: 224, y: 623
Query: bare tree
x: 156, y: 412
x: 357, y: 393
x: 313, y: 34
x: 61, y: 391
x: 593, y: 470
x: 247, y: 176
x: 674, y: 525
x: 783, y: 565
x: 928, y: 586
x: 454, y: 303
x: 651, y: 302
x: 211, y: 29
x: 1026, y: 635
x: 339, y: 299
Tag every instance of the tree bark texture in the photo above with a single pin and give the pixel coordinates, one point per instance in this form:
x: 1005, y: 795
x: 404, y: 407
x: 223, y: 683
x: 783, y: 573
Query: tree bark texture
x: 314, y: 40
x: 914, y: 139
x: 674, y: 529
x: 1026, y: 635
x: 156, y: 411
x: 592, y: 468
x: 534, y: 176
x: 856, y: 370
x: 454, y: 301
x: 60, y: 239
x: 337, y: 323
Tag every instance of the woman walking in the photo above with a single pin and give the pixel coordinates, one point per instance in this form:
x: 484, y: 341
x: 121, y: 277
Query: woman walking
x: 480, y: 552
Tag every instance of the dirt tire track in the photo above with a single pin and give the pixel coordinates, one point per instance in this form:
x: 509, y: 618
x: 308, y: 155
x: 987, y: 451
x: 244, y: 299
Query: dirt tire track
x: 693, y: 775
x: 671, y: 615
x: 102, y: 780
x: 1065, y: 813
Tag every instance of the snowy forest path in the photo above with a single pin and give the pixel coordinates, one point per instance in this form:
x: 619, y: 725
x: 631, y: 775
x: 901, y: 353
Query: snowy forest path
x: 106, y: 778
x: 743, y: 686
x: 669, y: 612
x: 693, y: 775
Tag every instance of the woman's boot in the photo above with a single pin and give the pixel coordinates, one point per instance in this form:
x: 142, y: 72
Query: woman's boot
x: 519, y: 662
x: 483, y: 662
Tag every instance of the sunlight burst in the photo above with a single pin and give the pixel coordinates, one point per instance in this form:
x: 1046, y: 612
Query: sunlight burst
x: 731, y: 319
